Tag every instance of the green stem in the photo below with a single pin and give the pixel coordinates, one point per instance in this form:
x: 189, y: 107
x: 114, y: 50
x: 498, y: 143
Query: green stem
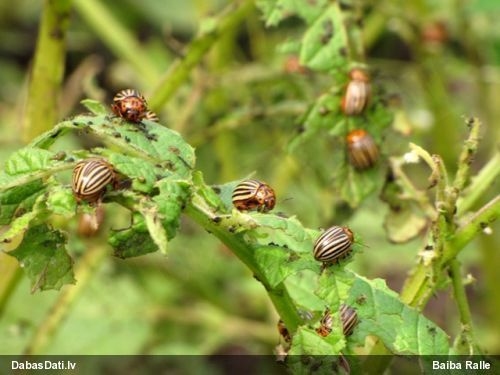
x: 476, y: 224
x: 469, y: 149
x: 179, y: 71
x: 466, y: 336
x: 83, y: 273
x: 118, y: 38
x: 199, y: 211
x: 480, y: 184
x: 48, y: 69
x: 419, y: 286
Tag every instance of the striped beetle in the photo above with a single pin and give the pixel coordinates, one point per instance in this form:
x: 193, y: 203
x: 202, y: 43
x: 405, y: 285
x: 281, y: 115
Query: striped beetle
x: 362, y: 149
x: 349, y: 318
x: 333, y: 244
x: 130, y: 105
x: 254, y: 194
x: 357, y: 94
x: 325, y: 324
x: 90, y: 178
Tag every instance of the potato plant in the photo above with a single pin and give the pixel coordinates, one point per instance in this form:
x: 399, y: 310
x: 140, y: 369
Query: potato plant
x: 161, y: 170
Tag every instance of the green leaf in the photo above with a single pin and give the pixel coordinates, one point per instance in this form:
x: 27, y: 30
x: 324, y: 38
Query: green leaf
x: 301, y: 287
x: 133, y: 241
x: 354, y: 185
x: 402, y: 329
x: 325, y: 44
x: 142, y: 173
x: 170, y: 203
x: 20, y: 224
x: 279, y: 231
x: 18, y: 200
x: 275, y: 11
x: 147, y: 140
x: 43, y: 255
x: 212, y: 194
x: 61, y: 201
x: 278, y: 263
x: 306, y: 341
x: 334, y: 285
x: 28, y: 160
x: 323, y: 114
x: 94, y: 106
x: 153, y: 223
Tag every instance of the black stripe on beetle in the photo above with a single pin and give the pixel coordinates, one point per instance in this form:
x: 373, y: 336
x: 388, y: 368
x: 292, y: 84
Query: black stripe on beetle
x: 357, y: 94
x: 362, y: 149
x: 333, y: 244
x: 254, y: 194
x: 349, y: 319
x: 90, y: 178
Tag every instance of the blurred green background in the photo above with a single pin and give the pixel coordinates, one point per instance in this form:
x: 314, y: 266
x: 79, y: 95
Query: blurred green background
x: 437, y: 62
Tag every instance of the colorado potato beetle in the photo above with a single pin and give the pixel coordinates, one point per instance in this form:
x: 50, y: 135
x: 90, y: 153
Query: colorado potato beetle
x: 254, y: 194
x: 90, y: 178
x: 357, y: 94
x: 333, y: 244
x: 130, y: 105
x: 362, y: 149
x: 325, y: 324
x: 349, y: 319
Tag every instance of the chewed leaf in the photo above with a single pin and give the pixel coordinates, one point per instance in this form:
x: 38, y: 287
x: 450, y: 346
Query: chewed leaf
x: 308, y: 341
x: 142, y: 174
x: 20, y: 224
x: 133, y: 241
x: 402, y: 329
x: 170, y: 203
x: 325, y: 44
x: 147, y: 140
x: 278, y: 263
x: 286, y: 232
x: 275, y: 11
x: 154, y: 225
x: 61, y: 201
x: 43, y: 255
x: 18, y: 200
x: 324, y: 114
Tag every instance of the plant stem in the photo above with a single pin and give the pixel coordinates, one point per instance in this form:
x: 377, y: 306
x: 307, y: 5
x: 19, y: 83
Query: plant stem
x: 476, y: 224
x: 480, y: 184
x: 198, y: 210
x: 48, y: 69
x: 469, y: 149
x: 83, y: 273
x: 118, y: 38
x: 418, y: 287
x: 466, y: 336
x: 179, y: 71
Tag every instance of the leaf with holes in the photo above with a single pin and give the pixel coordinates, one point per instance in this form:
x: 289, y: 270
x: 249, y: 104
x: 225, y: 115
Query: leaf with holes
x: 43, y: 255
x: 325, y: 44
